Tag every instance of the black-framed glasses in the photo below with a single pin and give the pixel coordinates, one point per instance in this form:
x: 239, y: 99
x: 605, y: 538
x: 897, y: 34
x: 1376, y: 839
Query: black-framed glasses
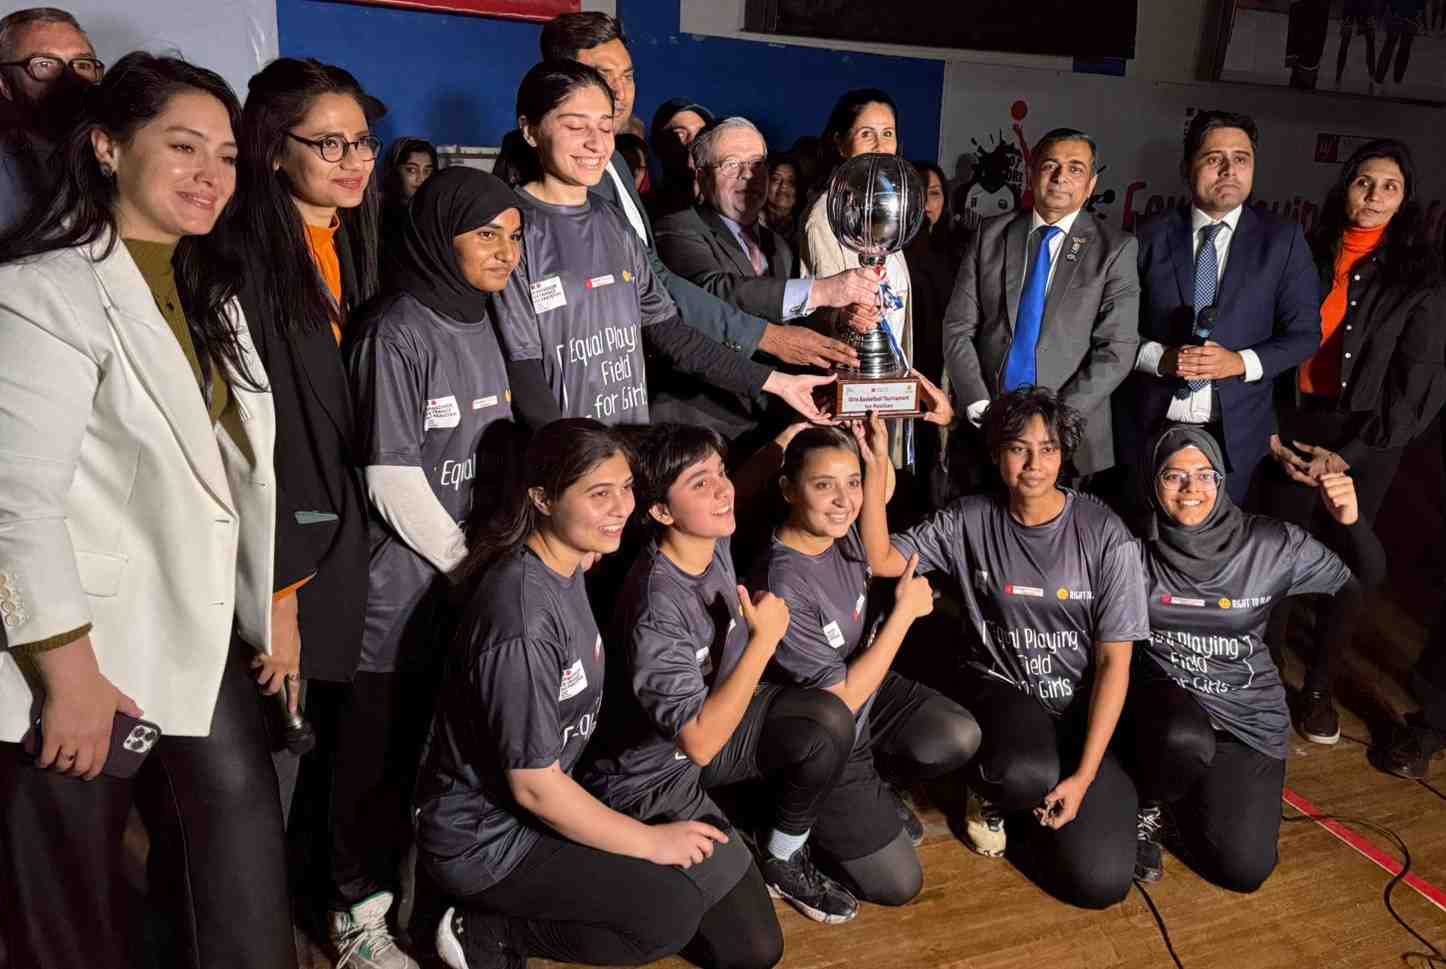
x: 333, y: 148
x: 1206, y: 479
x: 44, y: 67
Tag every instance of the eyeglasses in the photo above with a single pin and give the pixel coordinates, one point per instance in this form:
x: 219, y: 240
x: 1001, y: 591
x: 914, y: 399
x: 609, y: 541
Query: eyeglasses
x: 333, y: 148
x: 1206, y: 479
x: 734, y: 167
x: 43, y: 67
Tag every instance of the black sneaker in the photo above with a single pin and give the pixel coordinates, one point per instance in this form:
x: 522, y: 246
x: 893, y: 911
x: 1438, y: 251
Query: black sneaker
x: 1318, y: 721
x: 473, y: 943
x: 913, y: 826
x: 1412, y: 748
x: 1150, y: 843
x: 806, y: 888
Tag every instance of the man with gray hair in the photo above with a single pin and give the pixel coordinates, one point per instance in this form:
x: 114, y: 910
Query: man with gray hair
x: 46, y: 63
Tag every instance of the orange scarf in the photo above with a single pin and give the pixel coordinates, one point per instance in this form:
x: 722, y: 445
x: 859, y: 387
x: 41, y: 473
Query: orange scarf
x: 1321, y: 374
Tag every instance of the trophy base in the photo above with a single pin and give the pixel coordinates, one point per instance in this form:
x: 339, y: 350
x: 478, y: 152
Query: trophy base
x: 889, y: 397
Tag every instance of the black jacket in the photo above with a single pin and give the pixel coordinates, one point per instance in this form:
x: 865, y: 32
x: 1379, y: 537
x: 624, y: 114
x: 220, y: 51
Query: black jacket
x: 1393, y: 359
x: 321, y: 511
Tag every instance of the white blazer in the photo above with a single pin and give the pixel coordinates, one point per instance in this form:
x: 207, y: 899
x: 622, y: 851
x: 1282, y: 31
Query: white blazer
x: 120, y: 504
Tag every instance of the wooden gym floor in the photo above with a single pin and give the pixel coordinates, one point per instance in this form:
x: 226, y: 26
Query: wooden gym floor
x: 1323, y: 907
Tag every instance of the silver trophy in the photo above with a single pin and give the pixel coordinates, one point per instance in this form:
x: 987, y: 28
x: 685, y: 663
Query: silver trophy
x: 875, y: 207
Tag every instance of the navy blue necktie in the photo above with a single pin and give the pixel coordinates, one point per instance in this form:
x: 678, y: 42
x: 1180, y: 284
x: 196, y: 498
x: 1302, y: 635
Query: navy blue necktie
x: 1020, y: 369
x: 1207, y: 281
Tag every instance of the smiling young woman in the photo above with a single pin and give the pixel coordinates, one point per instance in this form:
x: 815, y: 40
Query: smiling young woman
x: 137, y: 553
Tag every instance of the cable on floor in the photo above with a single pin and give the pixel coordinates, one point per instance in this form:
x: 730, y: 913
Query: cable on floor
x: 1160, y: 921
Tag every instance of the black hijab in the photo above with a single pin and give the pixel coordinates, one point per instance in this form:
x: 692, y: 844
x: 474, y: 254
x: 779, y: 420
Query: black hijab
x: 451, y: 202
x: 1200, y: 550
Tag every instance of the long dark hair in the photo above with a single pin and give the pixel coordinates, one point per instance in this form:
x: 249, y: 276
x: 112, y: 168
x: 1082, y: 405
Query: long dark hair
x: 1407, y: 254
x: 543, y: 88
x: 82, y: 209
x: 841, y: 119
x: 397, y: 154
x: 267, y: 224
x: 556, y: 458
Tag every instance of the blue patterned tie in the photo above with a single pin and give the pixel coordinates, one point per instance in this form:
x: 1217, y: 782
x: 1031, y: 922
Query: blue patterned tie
x: 1207, y: 280
x: 1020, y: 370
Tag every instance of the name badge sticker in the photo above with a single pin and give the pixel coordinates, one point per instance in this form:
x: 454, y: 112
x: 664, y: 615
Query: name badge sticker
x: 547, y: 295
x: 442, y: 412
x: 574, y: 681
x: 598, y: 282
x: 482, y: 403
x: 834, y: 635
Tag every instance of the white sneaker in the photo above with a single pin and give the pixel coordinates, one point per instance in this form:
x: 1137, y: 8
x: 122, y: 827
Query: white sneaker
x: 362, y: 940
x: 984, y: 827
x: 489, y: 950
x: 449, y: 947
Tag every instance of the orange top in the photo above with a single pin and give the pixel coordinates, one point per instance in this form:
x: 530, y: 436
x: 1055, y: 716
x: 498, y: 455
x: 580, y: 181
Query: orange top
x: 322, y: 239
x: 1321, y: 374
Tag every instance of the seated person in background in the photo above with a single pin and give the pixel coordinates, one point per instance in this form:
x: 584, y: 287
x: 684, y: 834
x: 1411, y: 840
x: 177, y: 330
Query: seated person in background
x: 536, y: 866
x: 1054, y: 599
x: 1047, y: 297
x: 687, y: 711
x: 635, y: 151
x: 1208, y: 709
x: 817, y: 565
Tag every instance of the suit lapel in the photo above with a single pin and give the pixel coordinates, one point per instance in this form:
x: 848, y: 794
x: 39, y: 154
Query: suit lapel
x: 1015, y: 238
x: 1081, y: 236
x: 1182, y: 254
x: 1243, y: 258
x: 727, y: 240
x: 153, y: 353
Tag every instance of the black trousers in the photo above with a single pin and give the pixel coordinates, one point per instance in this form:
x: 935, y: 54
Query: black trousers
x: 216, y: 869
x: 572, y: 903
x: 1225, y: 795
x: 1360, y: 548
x: 796, y: 741
x: 380, y: 722
x: 1089, y: 862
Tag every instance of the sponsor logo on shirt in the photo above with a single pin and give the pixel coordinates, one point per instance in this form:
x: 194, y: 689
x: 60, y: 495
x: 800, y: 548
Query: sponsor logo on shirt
x: 548, y: 295
x: 457, y: 473
x: 1249, y: 602
x: 1182, y: 601
x: 442, y: 412
x: 1076, y: 595
x: 1032, y: 591
x: 834, y: 634
x: 598, y: 282
x: 627, y: 276
x: 481, y: 403
x: 574, y: 681
x: 584, y: 726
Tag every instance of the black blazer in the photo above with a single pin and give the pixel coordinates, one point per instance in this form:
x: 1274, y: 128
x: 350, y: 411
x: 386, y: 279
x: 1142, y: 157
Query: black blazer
x: 321, y: 511
x: 1269, y: 301
x: 698, y: 245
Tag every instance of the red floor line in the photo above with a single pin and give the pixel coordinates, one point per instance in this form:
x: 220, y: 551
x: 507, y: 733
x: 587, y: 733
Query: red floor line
x: 1365, y: 847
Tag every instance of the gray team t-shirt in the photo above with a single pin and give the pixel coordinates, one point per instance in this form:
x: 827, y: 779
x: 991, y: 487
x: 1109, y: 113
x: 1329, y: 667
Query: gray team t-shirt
x: 524, y: 692
x: 677, y: 635
x: 1207, y: 636
x: 1038, y: 598
x: 828, y: 615
x: 578, y: 302
x: 427, y: 388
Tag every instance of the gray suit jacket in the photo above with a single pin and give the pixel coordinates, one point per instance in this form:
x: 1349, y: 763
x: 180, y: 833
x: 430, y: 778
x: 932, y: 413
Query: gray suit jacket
x: 1090, y: 331
x: 722, y: 321
x: 697, y: 245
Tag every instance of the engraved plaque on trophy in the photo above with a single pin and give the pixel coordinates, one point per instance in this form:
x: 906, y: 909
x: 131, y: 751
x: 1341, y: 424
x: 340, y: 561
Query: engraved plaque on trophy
x: 875, y: 206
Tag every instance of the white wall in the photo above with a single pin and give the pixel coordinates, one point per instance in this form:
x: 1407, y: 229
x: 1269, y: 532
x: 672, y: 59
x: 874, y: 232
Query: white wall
x: 232, y: 37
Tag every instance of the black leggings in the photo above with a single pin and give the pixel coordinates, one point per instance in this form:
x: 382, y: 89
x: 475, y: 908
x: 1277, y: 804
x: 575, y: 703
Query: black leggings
x: 216, y: 870
x: 1026, y: 752
x: 571, y: 903
x: 1225, y: 795
x: 797, y: 741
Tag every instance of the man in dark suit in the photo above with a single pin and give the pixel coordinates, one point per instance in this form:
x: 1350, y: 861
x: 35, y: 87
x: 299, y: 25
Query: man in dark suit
x: 1047, y: 297
x: 721, y: 245
x: 597, y: 39
x: 1229, y: 299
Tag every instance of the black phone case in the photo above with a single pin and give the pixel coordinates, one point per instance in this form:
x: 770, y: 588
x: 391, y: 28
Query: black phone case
x: 131, y: 739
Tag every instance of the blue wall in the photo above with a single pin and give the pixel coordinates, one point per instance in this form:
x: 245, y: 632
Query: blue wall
x: 454, y: 78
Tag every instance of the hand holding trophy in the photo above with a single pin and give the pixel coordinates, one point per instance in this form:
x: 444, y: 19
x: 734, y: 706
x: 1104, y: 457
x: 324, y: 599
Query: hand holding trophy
x: 875, y: 207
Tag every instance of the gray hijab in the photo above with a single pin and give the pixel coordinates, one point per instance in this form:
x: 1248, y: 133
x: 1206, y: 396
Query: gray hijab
x: 1200, y: 550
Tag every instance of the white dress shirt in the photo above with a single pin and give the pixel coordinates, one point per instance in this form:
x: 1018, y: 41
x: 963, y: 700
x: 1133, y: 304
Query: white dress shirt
x: 975, y: 411
x: 797, y: 293
x: 1202, y: 406
x: 635, y: 218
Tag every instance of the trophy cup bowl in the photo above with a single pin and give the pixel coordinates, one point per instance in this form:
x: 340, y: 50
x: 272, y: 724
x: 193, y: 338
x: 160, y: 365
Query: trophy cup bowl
x: 875, y: 207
